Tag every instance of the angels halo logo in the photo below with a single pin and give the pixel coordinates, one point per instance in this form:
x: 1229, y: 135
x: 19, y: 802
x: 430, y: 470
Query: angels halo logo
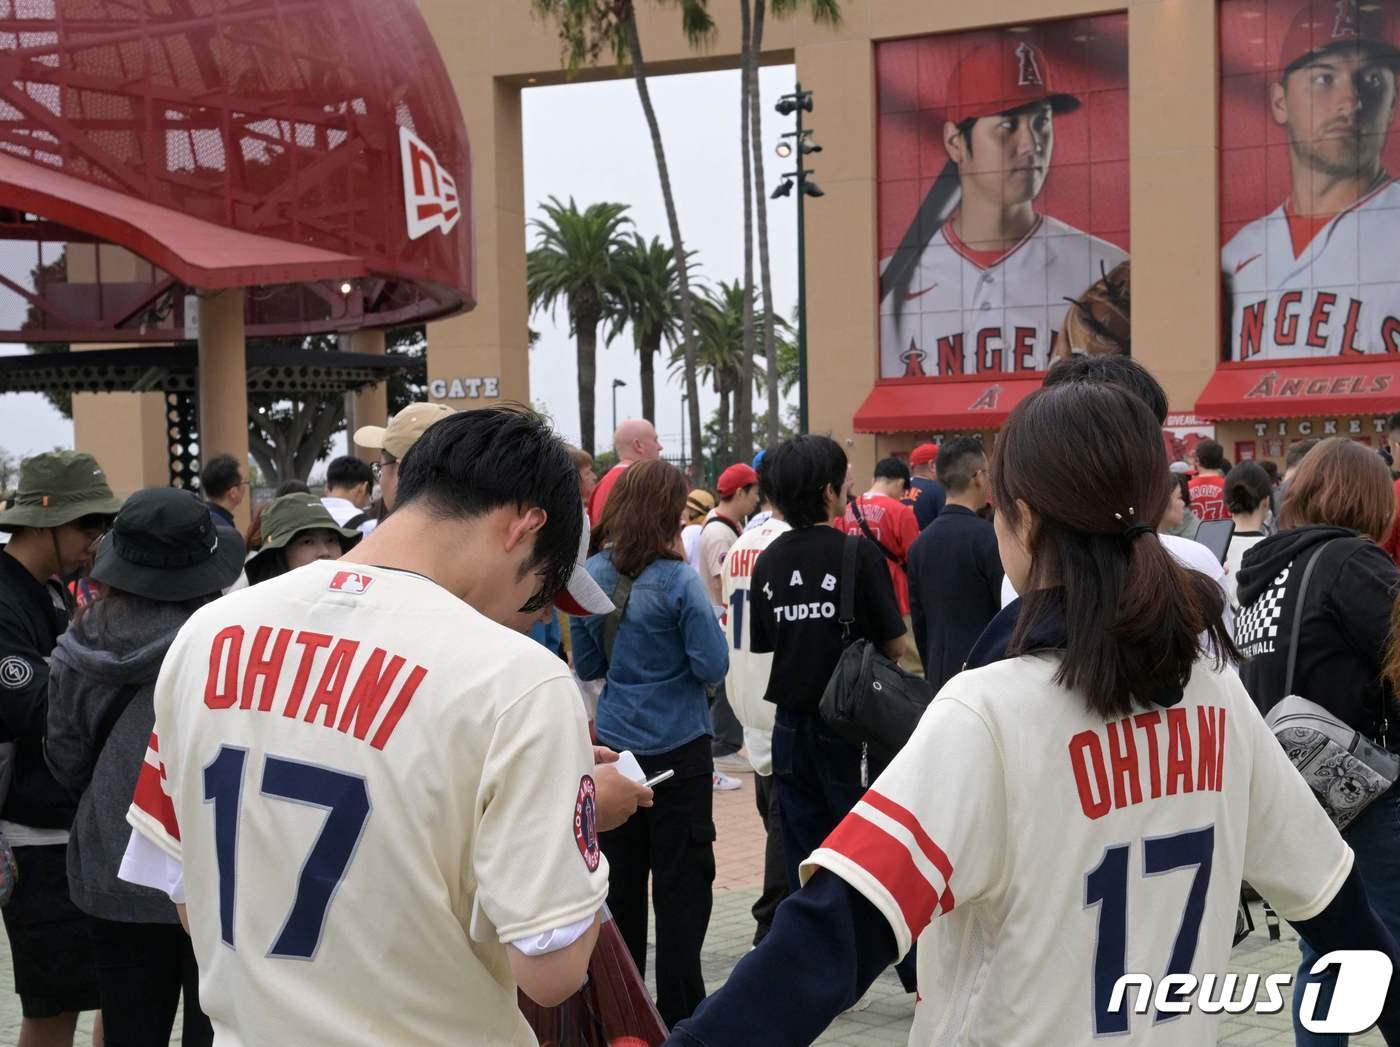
x: 586, y: 823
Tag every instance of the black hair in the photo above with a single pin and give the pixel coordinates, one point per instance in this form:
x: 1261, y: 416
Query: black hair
x: 473, y: 462
x: 1210, y: 454
x: 349, y: 471
x: 958, y: 459
x: 1298, y: 452
x: 965, y: 129
x: 1272, y: 469
x: 1247, y: 487
x: 219, y: 476
x: 1112, y: 369
x: 292, y: 486
x: 1087, y: 461
x: 271, y: 563
x: 1393, y: 424
x: 797, y: 474
x: 1181, y: 482
x: 893, y: 469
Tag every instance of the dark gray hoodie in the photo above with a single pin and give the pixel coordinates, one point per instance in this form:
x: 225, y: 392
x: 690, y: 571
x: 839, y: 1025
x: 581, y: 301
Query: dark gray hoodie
x: 109, y: 657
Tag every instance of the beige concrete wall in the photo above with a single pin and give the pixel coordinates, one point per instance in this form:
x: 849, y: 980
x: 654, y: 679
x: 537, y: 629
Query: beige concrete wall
x: 1173, y: 117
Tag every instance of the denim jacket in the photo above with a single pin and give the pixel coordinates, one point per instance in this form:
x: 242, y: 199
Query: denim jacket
x: 668, y: 647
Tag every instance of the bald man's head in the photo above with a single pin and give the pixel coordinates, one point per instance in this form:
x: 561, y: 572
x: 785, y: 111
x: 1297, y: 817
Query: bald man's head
x: 636, y: 441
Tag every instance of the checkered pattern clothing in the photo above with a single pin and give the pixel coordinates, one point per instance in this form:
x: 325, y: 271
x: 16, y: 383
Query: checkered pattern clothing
x: 1257, y: 627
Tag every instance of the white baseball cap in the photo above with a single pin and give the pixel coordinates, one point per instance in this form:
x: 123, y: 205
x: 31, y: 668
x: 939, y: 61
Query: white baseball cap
x: 582, y: 596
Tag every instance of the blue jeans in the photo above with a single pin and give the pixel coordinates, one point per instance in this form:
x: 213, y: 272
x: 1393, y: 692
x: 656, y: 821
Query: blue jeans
x: 1375, y: 839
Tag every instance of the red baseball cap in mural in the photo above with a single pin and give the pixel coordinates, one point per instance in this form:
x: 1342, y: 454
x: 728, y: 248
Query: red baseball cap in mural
x: 582, y: 596
x: 735, y: 477
x: 1327, y: 25
x: 923, y: 454
x: 1003, y: 77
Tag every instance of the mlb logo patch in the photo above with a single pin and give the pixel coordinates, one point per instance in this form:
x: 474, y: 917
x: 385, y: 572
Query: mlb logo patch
x: 353, y: 582
x: 586, y: 823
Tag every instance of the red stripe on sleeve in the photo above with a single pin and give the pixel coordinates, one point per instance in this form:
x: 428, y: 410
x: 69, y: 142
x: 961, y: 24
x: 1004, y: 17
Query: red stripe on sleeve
x: 889, y: 861
x: 935, y: 854
x: 150, y: 796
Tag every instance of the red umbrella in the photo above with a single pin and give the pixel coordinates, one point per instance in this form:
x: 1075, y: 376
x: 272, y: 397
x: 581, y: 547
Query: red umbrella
x: 613, y: 1009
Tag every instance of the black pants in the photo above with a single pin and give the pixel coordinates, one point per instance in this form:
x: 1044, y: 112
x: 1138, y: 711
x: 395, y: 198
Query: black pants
x: 673, y: 843
x: 729, y: 732
x: 142, y: 968
x: 774, y: 871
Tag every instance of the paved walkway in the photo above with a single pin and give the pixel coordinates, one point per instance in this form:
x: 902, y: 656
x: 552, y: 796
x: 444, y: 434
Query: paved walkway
x: 739, y: 865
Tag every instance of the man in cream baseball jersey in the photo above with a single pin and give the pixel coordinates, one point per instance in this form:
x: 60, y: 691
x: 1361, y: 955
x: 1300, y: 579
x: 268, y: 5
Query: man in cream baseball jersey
x: 1317, y: 275
x: 380, y: 795
x: 987, y: 293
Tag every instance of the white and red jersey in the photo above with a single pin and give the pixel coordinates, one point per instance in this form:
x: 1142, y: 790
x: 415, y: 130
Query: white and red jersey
x: 1316, y: 287
x: 892, y: 524
x: 1037, y: 853
x: 970, y: 312
x: 747, y: 680
x: 370, y: 788
x: 1208, y: 497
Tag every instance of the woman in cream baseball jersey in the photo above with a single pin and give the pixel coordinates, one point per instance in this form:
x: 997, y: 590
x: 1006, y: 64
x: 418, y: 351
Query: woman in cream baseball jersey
x: 1079, y: 805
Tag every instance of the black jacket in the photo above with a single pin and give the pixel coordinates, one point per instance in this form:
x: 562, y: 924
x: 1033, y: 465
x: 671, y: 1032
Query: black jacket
x: 31, y: 620
x: 1345, y: 624
x: 954, y: 589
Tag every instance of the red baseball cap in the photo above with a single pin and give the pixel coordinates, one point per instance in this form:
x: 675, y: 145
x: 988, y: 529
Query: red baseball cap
x: 582, y: 596
x: 1003, y: 77
x: 1325, y: 25
x: 735, y: 477
x: 923, y: 454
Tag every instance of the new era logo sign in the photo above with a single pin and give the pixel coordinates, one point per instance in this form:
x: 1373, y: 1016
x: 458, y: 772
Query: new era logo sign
x: 350, y: 582
x: 429, y: 192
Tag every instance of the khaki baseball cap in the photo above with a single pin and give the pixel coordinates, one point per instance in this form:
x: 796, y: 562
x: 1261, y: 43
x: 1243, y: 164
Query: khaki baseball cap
x: 403, y: 432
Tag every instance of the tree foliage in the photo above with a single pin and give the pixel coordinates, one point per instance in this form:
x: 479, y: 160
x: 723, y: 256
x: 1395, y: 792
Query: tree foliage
x: 649, y: 299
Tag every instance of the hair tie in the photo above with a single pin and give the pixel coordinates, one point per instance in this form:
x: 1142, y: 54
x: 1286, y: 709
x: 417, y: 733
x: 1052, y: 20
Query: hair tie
x: 1131, y: 532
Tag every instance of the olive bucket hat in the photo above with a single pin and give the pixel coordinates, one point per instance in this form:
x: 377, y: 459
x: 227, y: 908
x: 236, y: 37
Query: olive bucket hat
x: 164, y: 546
x: 288, y: 516
x: 58, y: 487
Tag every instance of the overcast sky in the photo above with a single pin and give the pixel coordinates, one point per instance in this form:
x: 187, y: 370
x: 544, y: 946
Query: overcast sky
x: 588, y: 141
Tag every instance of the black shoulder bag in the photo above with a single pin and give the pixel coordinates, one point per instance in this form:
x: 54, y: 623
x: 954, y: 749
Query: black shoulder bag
x: 869, y: 699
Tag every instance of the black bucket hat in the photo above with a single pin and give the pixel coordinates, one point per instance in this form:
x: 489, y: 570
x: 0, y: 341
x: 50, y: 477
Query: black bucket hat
x: 164, y: 546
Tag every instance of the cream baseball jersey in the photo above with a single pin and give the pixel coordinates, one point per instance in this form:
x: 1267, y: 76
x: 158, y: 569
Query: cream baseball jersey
x: 1038, y: 853
x: 747, y: 680
x: 1298, y: 290
x: 965, y: 314
x: 371, y: 788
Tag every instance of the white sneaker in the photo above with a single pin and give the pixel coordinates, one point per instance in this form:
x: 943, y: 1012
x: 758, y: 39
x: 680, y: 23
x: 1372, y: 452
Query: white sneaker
x: 725, y: 784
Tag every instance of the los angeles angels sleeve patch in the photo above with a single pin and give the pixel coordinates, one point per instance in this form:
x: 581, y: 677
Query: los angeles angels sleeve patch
x: 586, y: 822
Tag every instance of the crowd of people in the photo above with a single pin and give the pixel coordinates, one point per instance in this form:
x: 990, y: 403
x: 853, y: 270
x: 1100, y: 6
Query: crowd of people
x: 354, y: 773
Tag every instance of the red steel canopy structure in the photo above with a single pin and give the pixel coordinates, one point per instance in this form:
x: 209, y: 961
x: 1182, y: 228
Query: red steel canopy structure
x: 310, y: 150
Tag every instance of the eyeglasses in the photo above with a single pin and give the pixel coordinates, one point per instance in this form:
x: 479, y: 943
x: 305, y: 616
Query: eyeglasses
x: 377, y: 468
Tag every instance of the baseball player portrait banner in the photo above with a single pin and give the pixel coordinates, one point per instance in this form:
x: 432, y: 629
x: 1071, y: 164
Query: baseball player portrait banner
x: 1003, y: 198
x: 1309, y: 205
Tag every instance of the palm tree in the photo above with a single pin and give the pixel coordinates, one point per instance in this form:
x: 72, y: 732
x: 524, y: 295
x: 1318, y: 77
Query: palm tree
x: 719, y: 317
x: 823, y: 12
x: 575, y: 261
x: 649, y: 300
x: 587, y: 28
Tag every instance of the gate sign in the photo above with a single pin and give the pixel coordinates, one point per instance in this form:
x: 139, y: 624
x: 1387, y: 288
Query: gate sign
x: 429, y: 192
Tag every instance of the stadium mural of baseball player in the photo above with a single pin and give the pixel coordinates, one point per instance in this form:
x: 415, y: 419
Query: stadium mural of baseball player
x: 1310, y: 213
x: 1003, y: 197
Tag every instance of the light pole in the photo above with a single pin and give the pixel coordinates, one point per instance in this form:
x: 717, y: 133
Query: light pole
x: 798, y: 102
x: 617, y: 382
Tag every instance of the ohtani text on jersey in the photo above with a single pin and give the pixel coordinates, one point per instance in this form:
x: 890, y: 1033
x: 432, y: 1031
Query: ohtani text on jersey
x: 1153, y: 754
x: 248, y: 674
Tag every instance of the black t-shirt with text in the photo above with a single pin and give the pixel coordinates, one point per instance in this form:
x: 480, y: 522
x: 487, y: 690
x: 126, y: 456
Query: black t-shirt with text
x: 795, y: 600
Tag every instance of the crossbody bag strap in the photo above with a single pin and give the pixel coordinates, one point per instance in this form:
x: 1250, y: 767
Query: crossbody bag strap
x: 860, y: 519
x: 1297, y: 626
x: 614, y: 620
x: 848, y: 585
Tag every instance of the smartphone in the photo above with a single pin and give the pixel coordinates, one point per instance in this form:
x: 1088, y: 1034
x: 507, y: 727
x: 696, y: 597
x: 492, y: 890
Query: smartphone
x: 1215, y: 535
x: 655, y: 780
